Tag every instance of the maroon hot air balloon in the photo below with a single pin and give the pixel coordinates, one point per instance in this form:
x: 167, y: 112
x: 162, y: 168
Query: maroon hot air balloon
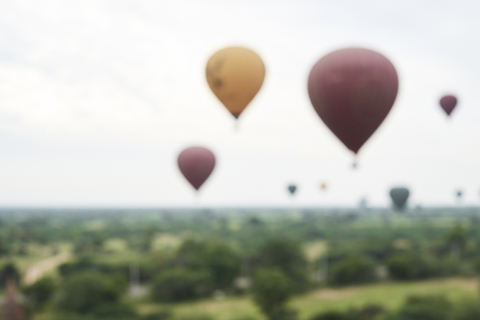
x: 352, y: 90
x: 196, y: 165
x: 448, y: 103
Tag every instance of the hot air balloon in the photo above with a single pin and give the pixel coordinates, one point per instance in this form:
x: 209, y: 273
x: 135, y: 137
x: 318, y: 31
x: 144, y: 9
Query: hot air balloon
x: 235, y: 75
x: 353, y: 90
x: 399, y: 197
x: 292, y: 189
x: 448, y: 103
x: 196, y: 165
x: 323, y: 186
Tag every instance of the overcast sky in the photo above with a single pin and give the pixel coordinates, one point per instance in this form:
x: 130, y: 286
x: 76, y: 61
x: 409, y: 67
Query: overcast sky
x: 97, y: 98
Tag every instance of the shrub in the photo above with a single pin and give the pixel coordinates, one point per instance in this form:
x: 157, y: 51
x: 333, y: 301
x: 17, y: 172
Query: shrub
x: 196, y: 317
x: 401, y: 267
x: 468, y: 310
x: 431, y: 307
x: 411, y: 265
x: 223, y: 264
x: 9, y: 270
x: 114, y: 310
x: 40, y: 292
x: 368, y: 312
x: 180, y: 285
x: 353, y: 270
x: 86, y: 291
x: 271, y: 291
x: 161, y: 315
x: 329, y: 315
x: 287, y: 256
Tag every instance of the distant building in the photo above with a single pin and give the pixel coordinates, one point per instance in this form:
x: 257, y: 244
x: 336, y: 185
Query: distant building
x: 10, y: 309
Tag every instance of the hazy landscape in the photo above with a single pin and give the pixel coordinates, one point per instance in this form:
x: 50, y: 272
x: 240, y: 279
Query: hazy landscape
x: 205, y: 264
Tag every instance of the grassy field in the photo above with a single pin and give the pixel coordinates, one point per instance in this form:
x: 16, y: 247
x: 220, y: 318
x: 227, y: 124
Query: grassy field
x: 391, y: 295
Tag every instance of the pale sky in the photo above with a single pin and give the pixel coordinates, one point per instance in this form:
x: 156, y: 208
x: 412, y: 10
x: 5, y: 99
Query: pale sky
x: 97, y: 98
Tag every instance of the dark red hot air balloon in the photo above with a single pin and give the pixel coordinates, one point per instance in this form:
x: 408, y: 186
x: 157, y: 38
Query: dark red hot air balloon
x: 448, y: 103
x: 352, y: 90
x: 196, y: 165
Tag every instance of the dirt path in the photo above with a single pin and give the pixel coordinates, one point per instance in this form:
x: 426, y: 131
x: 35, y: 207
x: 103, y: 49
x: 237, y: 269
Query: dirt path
x: 38, y: 270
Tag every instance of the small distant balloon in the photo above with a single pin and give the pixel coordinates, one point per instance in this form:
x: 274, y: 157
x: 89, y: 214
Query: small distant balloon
x: 196, y: 165
x: 235, y: 75
x: 352, y: 90
x: 448, y: 103
x: 459, y: 193
x: 292, y: 189
x: 323, y: 186
x: 399, y: 197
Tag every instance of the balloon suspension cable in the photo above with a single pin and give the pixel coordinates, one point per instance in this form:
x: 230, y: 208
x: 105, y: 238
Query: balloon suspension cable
x: 236, y: 125
x: 197, y: 197
x: 355, y: 162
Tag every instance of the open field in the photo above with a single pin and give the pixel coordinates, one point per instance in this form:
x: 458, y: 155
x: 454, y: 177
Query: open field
x: 390, y: 294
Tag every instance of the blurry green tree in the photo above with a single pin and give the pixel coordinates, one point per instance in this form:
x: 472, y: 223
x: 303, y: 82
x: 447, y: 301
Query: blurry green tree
x: 352, y: 270
x: 85, y: 291
x: 287, y: 256
x: 271, y: 291
x: 181, y: 285
x: 40, y: 292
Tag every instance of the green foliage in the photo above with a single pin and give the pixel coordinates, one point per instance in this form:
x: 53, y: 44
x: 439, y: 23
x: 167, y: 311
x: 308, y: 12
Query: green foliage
x: 271, y: 290
x: 425, y: 308
x: 188, y: 254
x: 9, y: 271
x: 115, y: 310
x: 411, y: 265
x: 330, y: 315
x: 377, y: 246
x: 196, y: 317
x: 180, y: 285
x: 219, y: 259
x: 116, y: 274
x: 4, y: 246
x: 468, y: 310
x: 457, y: 237
x: 401, y: 267
x: 352, y: 270
x: 287, y: 256
x: 72, y: 316
x: 82, y: 264
x: 86, y: 291
x: 86, y: 262
x: 89, y: 242
x: 368, y: 312
x: 40, y: 292
x: 222, y: 263
x: 160, y: 315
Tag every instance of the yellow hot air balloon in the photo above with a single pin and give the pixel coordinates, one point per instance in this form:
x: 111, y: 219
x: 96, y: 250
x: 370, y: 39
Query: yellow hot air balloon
x: 235, y: 75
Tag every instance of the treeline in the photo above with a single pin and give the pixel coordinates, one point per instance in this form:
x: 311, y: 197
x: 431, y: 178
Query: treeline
x: 457, y: 252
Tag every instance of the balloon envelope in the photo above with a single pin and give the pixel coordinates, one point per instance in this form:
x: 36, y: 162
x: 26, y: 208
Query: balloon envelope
x: 353, y: 90
x: 196, y: 165
x: 235, y: 75
x: 448, y: 103
x: 292, y: 188
x: 399, y: 197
